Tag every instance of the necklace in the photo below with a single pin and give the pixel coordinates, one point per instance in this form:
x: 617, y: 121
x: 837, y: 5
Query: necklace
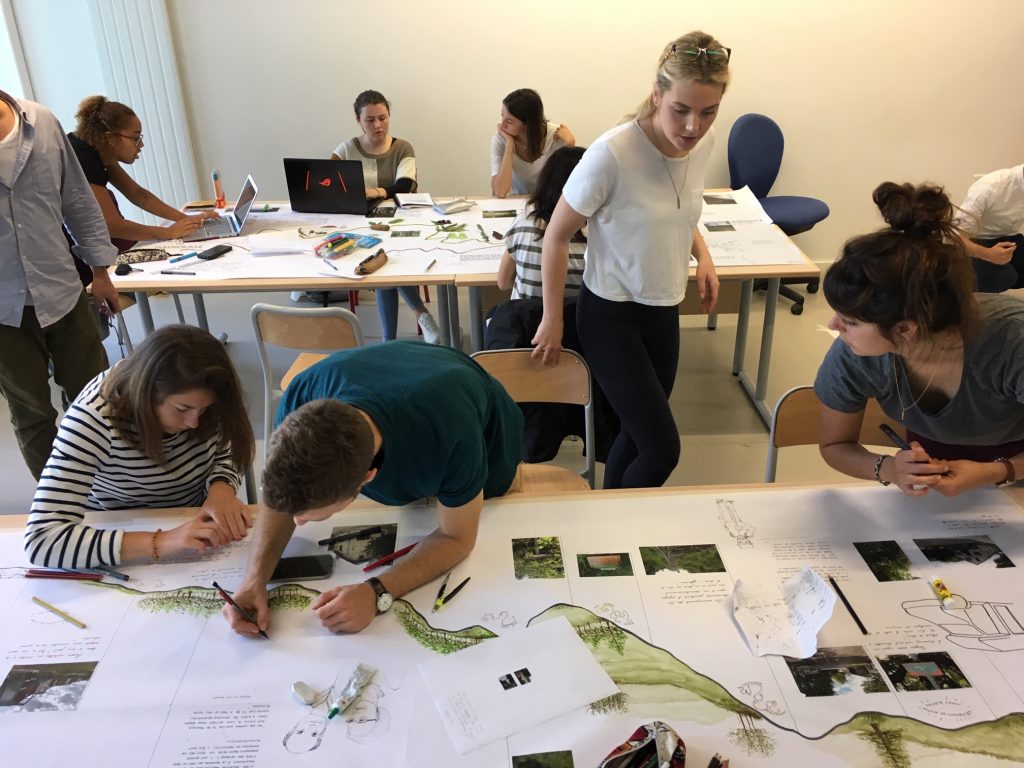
x: 899, y: 396
x: 671, y: 178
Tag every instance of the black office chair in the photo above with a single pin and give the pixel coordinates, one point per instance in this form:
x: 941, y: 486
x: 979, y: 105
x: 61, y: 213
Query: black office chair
x: 755, y: 156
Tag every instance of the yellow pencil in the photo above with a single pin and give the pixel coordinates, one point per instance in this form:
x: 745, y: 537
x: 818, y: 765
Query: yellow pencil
x: 59, y: 612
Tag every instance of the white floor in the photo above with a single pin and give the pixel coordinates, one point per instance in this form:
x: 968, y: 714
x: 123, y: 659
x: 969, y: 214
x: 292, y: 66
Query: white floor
x: 723, y: 439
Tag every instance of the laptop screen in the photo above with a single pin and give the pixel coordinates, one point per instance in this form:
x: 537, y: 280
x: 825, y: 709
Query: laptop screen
x: 245, y: 201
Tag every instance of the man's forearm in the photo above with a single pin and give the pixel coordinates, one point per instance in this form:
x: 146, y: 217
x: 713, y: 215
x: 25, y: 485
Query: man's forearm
x: 272, y: 532
x: 435, y: 555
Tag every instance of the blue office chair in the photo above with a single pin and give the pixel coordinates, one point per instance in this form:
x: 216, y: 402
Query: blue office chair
x: 755, y: 156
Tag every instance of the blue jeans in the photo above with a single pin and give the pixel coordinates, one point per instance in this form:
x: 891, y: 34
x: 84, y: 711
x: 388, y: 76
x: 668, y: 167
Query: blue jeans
x: 387, y: 307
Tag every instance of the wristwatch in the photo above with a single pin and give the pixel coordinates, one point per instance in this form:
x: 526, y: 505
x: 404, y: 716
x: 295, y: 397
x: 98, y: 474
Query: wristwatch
x: 384, y: 598
x: 1011, y: 473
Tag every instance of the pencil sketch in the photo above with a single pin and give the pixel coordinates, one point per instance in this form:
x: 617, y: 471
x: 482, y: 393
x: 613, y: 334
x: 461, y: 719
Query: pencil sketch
x: 366, y: 719
x: 983, y: 626
x: 501, y: 619
x: 205, y: 602
x: 610, y: 612
x: 741, y: 531
x: 754, y: 691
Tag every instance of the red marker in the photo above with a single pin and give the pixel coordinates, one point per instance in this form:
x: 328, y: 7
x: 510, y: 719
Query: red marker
x: 388, y: 558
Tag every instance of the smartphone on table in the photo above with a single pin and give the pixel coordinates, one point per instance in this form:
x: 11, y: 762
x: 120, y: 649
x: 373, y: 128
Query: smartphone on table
x: 305, y: 568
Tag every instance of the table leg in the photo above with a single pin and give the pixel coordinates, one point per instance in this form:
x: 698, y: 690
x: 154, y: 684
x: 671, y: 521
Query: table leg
x: 441, y: 292
x: 177, y: 307
x: 201, y: 320
x: 742, y: 323
x: 145, y: 312
x: 758, y: 392
x: 476, y: 319
x: 453, y: 316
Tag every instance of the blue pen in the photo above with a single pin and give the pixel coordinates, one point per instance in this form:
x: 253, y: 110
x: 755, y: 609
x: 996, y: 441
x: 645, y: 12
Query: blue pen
x: 182, y: 257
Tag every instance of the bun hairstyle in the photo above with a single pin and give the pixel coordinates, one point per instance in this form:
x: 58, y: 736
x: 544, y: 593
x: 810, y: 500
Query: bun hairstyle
x: 915, y: 269
x: 96, y: 117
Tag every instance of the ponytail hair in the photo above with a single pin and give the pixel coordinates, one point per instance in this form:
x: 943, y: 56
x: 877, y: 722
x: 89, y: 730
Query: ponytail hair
x: 96, y: 117
x: 915, y: 269
x: 695, y: 57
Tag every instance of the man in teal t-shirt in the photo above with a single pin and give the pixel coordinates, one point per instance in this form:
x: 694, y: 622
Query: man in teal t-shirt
x: 397, y: 422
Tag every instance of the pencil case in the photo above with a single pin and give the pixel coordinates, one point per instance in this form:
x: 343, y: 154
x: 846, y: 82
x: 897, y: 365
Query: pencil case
x: 371, y: 264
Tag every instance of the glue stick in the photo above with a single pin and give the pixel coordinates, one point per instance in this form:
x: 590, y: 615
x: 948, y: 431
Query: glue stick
x: 942, y: 592
x: 218, y: 190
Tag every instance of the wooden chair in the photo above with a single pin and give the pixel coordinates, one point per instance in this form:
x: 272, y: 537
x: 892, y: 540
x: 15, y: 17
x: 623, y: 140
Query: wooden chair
x: 530, y: 381
x: 795, y: 422
x: 329, y: 328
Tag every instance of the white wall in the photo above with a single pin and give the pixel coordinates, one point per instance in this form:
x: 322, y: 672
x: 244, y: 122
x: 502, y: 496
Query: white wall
x: 866, y: 91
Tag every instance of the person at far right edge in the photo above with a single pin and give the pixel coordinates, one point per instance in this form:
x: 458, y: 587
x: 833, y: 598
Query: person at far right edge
x: 992, y: 215
x: 945, y: 362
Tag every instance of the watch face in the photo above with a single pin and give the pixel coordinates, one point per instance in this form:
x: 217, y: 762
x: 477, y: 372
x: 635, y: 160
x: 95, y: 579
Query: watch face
x: 384, y: 602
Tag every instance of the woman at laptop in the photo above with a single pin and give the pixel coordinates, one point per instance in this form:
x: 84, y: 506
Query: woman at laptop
x: 389, y: 167
x: 523, y: 142
x: 165, y: 427
x: 107, y: 134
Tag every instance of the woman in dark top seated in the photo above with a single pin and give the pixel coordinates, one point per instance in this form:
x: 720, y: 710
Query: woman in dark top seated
x: 108, y: 133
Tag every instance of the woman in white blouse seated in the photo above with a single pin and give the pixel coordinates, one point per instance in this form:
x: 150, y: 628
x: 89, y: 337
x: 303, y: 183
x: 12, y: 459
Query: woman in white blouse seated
x: 166, y: 427
x: 524, y: 141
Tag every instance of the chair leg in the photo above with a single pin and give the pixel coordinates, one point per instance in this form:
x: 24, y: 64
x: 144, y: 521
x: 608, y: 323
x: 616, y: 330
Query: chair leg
x: 426, y: 295
x: 122, y: 328
x: 353, y: 301
x: 796, y: 298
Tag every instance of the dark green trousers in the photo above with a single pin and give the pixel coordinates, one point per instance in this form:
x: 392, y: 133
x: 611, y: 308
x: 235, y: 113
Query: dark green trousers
x: 72, y: 345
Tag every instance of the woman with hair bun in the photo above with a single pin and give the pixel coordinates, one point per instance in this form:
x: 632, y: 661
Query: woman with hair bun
x: 945, y: 362
x: 525, y: 139
x: 107, y: 134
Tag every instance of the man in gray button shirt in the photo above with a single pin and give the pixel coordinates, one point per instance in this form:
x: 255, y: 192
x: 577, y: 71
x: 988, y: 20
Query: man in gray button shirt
x: 44, y: 313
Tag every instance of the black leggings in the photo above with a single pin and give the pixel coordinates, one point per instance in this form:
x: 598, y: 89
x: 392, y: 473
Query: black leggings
x: 633, y: 353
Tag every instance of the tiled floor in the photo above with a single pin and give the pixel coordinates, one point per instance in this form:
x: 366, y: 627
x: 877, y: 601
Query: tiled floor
x: 723, y: 439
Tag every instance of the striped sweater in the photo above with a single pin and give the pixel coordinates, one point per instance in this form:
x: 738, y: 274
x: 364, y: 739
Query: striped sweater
x: 524, y: 240
x: 92, y: 467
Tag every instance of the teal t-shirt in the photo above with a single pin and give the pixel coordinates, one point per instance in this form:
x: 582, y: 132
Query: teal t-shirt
x: 449, y: 429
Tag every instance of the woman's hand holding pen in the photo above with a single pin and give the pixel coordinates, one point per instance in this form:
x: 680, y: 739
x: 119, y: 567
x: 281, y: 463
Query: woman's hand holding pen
x: 913, y: 470
x: 349, y: 608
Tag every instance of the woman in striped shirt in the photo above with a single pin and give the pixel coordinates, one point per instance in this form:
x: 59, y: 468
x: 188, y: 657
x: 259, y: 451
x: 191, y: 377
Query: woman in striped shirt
x: 520, y: 264
x: 165, y: 428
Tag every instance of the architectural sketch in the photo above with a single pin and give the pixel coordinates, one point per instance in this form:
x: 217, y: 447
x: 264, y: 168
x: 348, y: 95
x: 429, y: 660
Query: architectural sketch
x: 983, y: 626
x: 741, y: 531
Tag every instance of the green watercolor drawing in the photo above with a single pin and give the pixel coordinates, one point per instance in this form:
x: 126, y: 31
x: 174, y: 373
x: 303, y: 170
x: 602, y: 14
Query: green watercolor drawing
x: 643, y: 671
x: 205, y: 602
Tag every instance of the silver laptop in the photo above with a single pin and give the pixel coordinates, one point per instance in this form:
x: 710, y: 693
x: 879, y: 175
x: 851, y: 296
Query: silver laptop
x: 230, y: 224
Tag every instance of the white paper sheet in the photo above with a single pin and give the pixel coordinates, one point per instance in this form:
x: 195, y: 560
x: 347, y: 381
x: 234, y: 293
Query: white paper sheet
x: 738, y: 206
x: 511, y: 683
x: 274, y: 242
x: 784, y: 620
x: 733, y: 244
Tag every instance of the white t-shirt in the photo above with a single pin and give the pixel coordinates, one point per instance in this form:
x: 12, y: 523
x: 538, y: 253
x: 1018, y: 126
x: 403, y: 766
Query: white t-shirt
x: 994, y: 205
x: 638, y: 243
x: 524, y: 174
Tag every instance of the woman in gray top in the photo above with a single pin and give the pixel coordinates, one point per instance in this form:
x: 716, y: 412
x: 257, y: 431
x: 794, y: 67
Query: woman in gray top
x: 389, y: 167
x: 945, y: 362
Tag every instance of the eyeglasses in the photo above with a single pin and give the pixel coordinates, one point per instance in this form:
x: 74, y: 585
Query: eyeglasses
x: 136, y: 140
x: 723, y: 52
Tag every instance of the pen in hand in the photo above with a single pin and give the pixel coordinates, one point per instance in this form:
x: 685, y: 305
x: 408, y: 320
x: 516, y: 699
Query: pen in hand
x: 894, y: 437
x: 241, y: 611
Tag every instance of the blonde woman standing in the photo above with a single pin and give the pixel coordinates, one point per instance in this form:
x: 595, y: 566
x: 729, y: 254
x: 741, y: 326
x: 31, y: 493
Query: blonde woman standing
x: 639, y: 189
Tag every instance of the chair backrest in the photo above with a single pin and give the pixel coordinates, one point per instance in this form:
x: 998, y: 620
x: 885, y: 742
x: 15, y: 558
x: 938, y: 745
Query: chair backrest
x: 530, y: 381
x: 325, y: 329
x: 755, y: 153
x: 795, y: 422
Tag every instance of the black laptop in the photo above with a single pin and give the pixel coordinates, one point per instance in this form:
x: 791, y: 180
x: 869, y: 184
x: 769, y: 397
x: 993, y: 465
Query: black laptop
x: 327, y: 186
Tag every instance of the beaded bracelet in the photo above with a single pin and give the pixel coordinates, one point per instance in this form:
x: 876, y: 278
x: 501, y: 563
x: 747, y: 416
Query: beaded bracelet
x: 156, y: 550
x: 878, y: 470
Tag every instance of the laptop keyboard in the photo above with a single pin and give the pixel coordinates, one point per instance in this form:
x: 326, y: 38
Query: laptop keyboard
x: 219, y: 227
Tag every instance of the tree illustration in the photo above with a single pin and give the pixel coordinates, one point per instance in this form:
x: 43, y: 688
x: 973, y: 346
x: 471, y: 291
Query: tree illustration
x: 888, y: 743
x: 751, y: 738
x: 616, y: 703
